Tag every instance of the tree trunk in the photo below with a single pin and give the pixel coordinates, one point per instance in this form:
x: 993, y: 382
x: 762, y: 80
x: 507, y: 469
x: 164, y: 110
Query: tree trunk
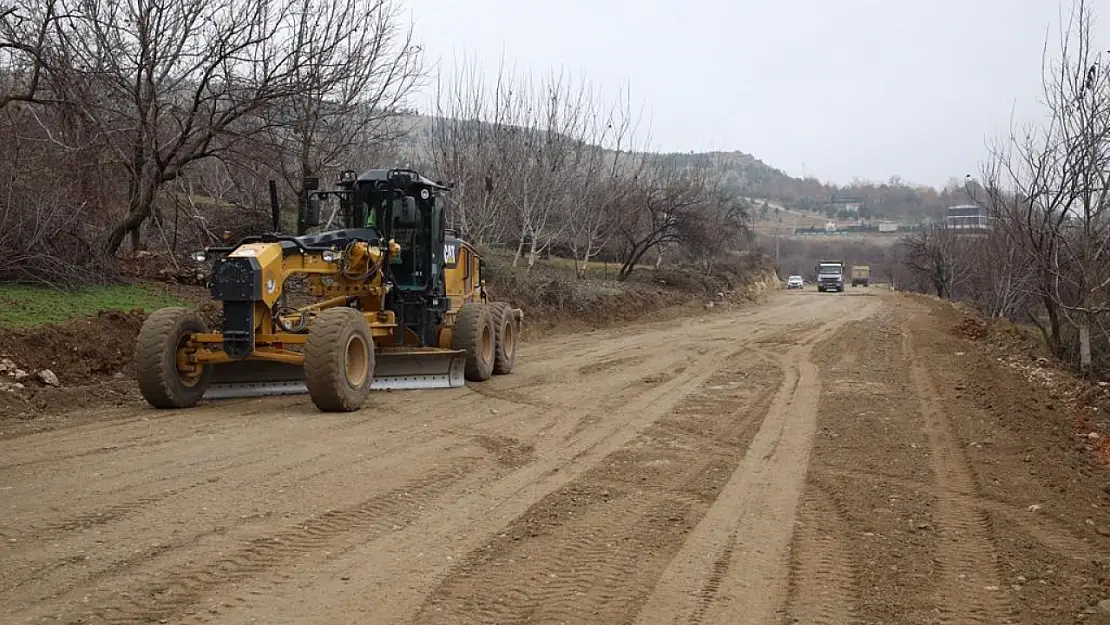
x: 141, y: 190
x: 1054, y: 337
x: 519, y: 249
x: 302, y: 192
x: 1085, y: 342
x: 585, y: 261
x: 532, y: 254
x: 137, y: 212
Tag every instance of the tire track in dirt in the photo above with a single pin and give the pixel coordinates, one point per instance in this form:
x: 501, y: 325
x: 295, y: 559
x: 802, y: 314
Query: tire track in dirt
x: 512, y: 459
x: 481, y: 517
x: 104, y: 571
x: 266, y: 582
x: 1050, y: 533
x: 95, y: 421
x: 239, y: 468
x: 117, y: 563
x: 590, y: 551
x: 167, y: 597
x: 90, y: 519
x: 870, y: 529
x: 968, y: 583
x: 706, y: 582
x: 734, y: 566
x: 822, y: 569
x: 206, y: 419
x: 130, y: 506
x: 400, y: 565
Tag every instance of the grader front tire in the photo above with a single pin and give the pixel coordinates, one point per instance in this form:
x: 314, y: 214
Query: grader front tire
x: 339, y: 360
x: 505, y: 338
x: 474, y: 333
x: 164, y: 381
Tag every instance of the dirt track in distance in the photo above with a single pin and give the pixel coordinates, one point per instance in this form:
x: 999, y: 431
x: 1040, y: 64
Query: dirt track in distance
x: 804, y: 460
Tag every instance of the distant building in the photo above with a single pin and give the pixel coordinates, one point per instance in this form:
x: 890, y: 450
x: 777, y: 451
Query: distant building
x: 845, y: 204
x: 967, y: 217
x: 888, y: 226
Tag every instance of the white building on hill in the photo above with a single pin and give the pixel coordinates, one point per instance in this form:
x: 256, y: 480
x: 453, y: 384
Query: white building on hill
x: 967, y: 217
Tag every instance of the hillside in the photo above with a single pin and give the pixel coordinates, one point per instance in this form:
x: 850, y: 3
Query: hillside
x: 811, y: 201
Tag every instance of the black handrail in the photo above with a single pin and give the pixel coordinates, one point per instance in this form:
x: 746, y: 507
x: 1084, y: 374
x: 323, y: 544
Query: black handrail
x: 269, y: 238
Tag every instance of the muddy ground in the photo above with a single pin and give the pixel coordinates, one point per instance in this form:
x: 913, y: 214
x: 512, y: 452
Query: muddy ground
x: 819, y: 458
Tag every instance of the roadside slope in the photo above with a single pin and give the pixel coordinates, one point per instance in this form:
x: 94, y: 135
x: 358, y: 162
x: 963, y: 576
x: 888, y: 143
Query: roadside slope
x: 944, y: 487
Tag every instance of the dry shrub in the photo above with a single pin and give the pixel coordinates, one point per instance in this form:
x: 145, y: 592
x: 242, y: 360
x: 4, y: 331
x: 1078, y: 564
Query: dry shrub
x: 551, y: 294
x: 971, y: 328
x: 51, y: 207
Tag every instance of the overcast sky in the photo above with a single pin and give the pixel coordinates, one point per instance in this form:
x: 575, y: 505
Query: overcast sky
x: 830, y: 88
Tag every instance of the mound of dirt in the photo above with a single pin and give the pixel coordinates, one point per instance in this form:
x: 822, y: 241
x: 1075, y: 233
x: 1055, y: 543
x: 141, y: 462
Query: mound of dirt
x: 1084, y: 403
x: 971, y: 328
x: 80, y: 351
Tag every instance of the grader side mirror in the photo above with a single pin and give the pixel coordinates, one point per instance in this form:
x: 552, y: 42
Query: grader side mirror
x: 311, y: 183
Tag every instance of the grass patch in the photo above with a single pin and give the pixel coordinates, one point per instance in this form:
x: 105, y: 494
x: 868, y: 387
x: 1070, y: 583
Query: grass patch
x: 24, y: 306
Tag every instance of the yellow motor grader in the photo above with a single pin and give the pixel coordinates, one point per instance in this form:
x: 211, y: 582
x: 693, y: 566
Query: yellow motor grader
x: 398, y: 301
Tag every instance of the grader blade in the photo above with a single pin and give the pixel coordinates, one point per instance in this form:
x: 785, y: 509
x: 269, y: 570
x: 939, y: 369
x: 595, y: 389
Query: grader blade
x: 394, y: 369
x: 255, y: 378
x: 412, y: 368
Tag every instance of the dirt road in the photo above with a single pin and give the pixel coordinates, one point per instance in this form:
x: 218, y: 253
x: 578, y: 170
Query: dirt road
x: 820, y: 458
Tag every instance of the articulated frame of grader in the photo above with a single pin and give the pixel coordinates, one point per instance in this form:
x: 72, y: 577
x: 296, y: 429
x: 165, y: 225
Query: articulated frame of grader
x: 399, y: 303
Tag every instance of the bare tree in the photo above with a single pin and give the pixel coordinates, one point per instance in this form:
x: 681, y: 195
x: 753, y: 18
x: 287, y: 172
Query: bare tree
x: 888, y: 265
x: 1050, y: 187
x: 654, y: 213
x: 938, y: 256
x: 25, y: 31
x: 720, y: 225
x: 548, y: 150
x: 534, y: 161
x: 609, y: 170
x: 161, y: 86
x: 1003, y: 279
x: 163, y: 83
x: 466, y: 140
x: 353, y: 68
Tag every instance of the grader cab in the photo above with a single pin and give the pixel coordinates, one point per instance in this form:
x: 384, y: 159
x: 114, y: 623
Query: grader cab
x: 395, y: 300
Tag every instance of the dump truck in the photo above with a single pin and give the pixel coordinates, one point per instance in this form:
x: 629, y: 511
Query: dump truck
x: 861, y: 275
x: 830, y: 275
x: 396, y: 301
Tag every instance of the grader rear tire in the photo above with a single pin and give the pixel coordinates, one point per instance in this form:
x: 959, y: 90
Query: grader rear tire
x: 474, y: 333
x: 339, y: 360
x: 505, y: 338
x: 161, y: 381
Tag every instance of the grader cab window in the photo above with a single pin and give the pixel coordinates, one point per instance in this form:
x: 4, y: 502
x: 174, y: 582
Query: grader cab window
x: 411, y: 230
